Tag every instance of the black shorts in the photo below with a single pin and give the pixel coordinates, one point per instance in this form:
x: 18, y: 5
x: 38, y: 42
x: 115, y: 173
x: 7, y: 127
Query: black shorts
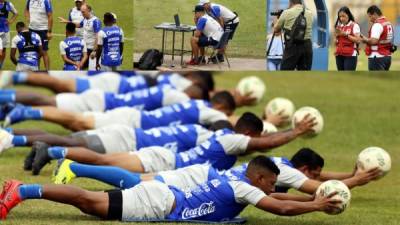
x: 205, y: 41
x: 43, y: 37
x: 232, y: 28
x: 114, y: 205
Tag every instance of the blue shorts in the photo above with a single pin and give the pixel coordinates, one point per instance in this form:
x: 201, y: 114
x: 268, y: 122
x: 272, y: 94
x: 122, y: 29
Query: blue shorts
x: 205, y: 41
x: 43, y: 37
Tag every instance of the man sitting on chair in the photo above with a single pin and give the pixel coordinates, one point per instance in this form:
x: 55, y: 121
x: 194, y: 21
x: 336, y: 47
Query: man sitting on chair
x: 208, y: 33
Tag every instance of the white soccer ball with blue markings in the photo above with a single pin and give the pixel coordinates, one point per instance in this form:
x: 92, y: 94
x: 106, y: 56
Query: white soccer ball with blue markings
x: 343, y: 194
x: 282, y: 106
x: 269, y: 128
x: 372, y: 157
x: 253, y: 85
x: 314, y: 113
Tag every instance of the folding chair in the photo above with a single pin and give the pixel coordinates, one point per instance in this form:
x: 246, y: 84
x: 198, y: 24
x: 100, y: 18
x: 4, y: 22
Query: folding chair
x: 220, y: 46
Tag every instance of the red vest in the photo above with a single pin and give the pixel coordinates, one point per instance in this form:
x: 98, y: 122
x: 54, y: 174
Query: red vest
x: 385, y: 40
x: 344, y: 46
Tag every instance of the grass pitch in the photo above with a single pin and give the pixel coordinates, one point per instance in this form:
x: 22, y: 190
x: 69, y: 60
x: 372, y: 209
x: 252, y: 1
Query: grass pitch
x: 122, y: 8
x: 359, y: 109
x: 249, y: 40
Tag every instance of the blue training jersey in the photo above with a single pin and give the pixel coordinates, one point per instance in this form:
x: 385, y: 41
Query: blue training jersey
x: 73, y: 51
x: 28, y: 47
x: 175, y: 138
x: 144, y: 99
x: 5, y: 9
x: 211, y: 201
x: 133, y: 83
x: 112, y: 38
x: 210, y: 151
x: 177, y: 114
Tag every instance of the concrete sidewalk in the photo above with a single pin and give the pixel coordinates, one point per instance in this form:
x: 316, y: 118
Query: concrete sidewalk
x: 237, y: 64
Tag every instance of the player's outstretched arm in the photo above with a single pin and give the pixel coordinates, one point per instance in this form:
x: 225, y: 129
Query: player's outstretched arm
x: 292, y: 208
x: 293, y: 197
x: 280, y: 138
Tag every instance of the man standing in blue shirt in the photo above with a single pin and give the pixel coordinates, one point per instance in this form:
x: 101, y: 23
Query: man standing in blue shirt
x: 39, y: 14
x: 208, y: 33
x: 73, y: 49
x: 5, y: 9
x: 110, y: 45
x: 29, y: 46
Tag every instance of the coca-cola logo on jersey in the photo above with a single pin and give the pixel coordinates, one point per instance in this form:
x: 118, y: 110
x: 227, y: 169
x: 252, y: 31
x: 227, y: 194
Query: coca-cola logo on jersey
x: 202, y: 210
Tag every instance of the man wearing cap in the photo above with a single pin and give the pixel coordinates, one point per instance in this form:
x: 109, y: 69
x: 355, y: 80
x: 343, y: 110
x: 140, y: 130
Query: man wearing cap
x: 39, y: 14
x: 228, y: 19
x: 5, y: 8
x: 208, y: 32
x: 110, y: 45
x: 91, y: 26
x: 75, y: 16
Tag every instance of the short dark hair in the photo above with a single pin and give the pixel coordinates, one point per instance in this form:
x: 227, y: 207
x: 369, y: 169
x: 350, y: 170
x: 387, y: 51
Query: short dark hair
x: 225, y: 98
x: 374, y: 9
x: 263, y: 162
x: 205, y: 77
x: 249, y: 121
x: 307, y: 157
x: 70, y: 27
x: 296, y: 1
x: 200, y: 91
x: 108, y: 17
x: 19, y: 25
x: 221, y: 124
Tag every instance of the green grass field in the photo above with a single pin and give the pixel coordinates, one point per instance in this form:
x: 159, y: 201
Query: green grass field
x: 249, y: 40
x: 359, y: 109
x: 123, y: 10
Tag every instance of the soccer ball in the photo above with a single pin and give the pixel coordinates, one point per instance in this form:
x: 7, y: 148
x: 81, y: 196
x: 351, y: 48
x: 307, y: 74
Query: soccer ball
x: 374, y: 157
x: 302, y: 112
x: 343, y: 194
x: 253, y: 85
x: 277, y: 105
x: 269, y: 128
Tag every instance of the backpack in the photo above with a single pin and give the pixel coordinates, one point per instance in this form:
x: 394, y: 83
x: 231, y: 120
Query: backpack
x: 298, y: 31
x: 150, y: 60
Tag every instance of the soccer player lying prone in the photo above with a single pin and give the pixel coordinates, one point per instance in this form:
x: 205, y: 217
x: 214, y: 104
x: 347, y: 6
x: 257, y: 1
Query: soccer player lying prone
x: 293, y: 174
x: 215, y: 200
x: 106, y: 81
x: 201, y: 112
x: 220, y: 150
x: 100, y: 101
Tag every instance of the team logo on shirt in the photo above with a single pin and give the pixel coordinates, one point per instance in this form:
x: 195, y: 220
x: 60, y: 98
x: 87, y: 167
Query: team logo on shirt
x: 202, y: 210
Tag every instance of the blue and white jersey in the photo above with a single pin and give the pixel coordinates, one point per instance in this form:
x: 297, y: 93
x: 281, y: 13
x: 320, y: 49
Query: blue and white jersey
x: 146, y: 99
x: 38, y: 10
x: 175, y: 80
x: 220, y: 151
x: 190, y: 112
x: 5, y: 8
x: 28, y: 51
x: 73, y: 48
x: 289, y: 177
x: 175, y: 138
x: 210, y: 27
x: 111, y: 38
x: 90, y: 28
x: 133, y: 83
x: 75, y: 16
x: 220, y: 11
x: 216, y: 200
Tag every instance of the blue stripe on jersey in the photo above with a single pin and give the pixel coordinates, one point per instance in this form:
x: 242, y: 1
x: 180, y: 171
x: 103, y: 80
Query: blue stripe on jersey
x: 211, y: 201
x: 82, y: 84
x: 130, y: 84
x: 48, y: 6
x: 96, y: 25
x: 216, y: 11
x: 177, y: 139
x: 201, y: 23
x: 211, y: 152
x: 177, y: 114
x: 144, y: 99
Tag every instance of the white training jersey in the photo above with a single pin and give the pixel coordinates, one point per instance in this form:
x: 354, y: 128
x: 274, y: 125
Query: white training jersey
x: 38, y: 10
x: 76, y: 16
x: 226, y: 14
x: 90, y: 29
x: 210, y: 27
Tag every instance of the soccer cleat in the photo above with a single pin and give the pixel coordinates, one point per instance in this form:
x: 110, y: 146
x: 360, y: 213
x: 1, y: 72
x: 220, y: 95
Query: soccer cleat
x: 213, y: 60
x: 220, y: 57
x: 15, y: 115
x: 5, y: 140
x: 63, y: 173
x: 41, y: 156
x: 29, y: 160
x: 10, y: 197
x: 5, y: 79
